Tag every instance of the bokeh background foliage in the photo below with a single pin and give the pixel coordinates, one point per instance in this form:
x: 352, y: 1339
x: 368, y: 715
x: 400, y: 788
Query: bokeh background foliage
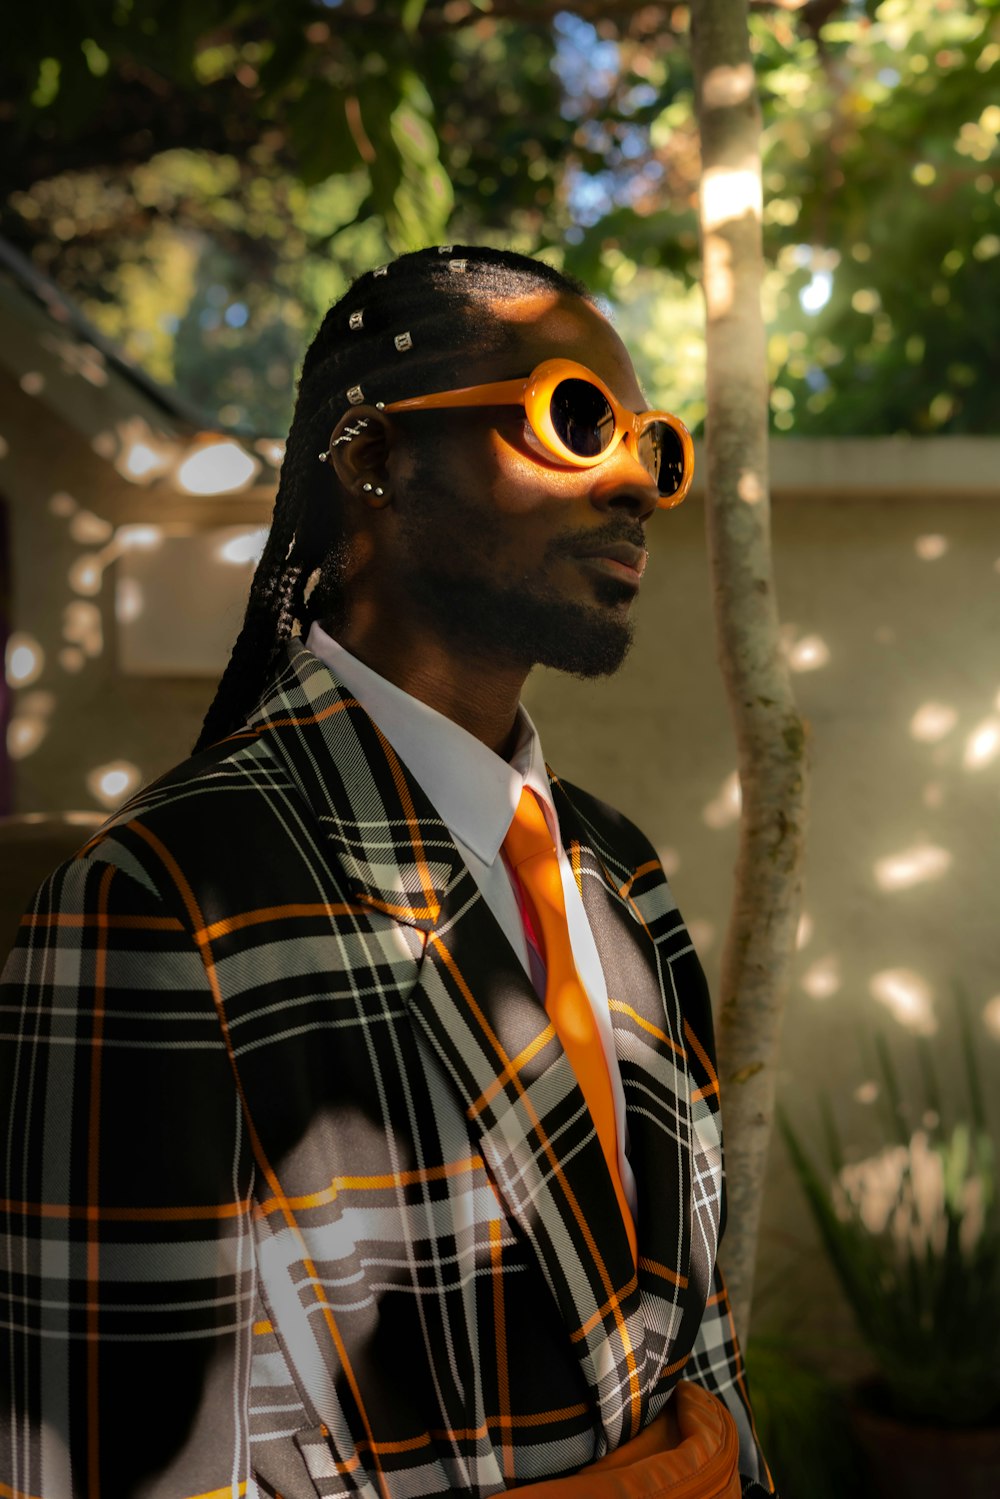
x: 204, y: 176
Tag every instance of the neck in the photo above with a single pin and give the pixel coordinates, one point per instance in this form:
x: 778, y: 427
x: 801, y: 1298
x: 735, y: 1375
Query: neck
x: 480, y: 695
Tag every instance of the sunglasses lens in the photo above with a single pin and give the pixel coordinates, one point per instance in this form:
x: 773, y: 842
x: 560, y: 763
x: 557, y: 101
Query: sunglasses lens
x: 661, y: 453
x: 582, y: 417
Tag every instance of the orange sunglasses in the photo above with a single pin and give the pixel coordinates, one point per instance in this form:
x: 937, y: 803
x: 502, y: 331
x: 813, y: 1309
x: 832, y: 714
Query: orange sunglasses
x: 577, y: 419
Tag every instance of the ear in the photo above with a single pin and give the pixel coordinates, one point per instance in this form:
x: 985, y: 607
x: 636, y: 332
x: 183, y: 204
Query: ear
x: 358, y: 452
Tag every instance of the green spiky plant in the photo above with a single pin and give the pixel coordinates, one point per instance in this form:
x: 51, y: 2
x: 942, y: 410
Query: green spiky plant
x: 916, y: 1247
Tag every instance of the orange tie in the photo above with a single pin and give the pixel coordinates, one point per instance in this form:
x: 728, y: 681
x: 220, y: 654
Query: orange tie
x: 532, y: 854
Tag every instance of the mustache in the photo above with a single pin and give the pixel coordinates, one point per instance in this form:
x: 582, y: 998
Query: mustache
x: 572, y: 543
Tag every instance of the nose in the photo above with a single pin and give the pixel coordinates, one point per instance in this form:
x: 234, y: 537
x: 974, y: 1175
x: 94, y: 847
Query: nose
x: 623, y: 483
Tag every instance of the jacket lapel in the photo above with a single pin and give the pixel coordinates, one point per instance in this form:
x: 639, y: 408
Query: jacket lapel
x: 654, y: 981
x: 480, y: 1013
x: 536, y: 1135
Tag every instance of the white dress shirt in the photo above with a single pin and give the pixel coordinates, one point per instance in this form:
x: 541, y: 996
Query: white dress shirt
x: 476, y: 793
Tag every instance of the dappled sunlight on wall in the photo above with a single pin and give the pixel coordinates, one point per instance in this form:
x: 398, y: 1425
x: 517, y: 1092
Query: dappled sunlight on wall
x: 89, y: 550
x: 248, y: 546
x: 822, y: 978
x: 931, y: 547
x: 112, y: 783
x: 808, y: 654
x: 129, y: 600
x: 991, y: 1016
x: 89, y: 529
x: 25, y: 659
x: 908, y: 998
x: 724, y: 808
x: 932, y: 722
x: 924, y: 861
x: 29, y: 723
x: 217, y: 467
x: 82, y: 627
x: 982, y: 745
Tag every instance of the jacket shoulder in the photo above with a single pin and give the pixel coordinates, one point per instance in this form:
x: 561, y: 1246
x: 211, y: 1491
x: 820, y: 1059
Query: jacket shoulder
x: 620, y: 845
x: 221, y: 813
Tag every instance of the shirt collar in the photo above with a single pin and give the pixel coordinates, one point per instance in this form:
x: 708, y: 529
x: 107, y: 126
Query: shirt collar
x: 475, y: 791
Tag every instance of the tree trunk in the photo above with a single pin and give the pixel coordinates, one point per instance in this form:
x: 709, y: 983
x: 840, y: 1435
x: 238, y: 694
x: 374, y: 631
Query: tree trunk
x: 769, y: 732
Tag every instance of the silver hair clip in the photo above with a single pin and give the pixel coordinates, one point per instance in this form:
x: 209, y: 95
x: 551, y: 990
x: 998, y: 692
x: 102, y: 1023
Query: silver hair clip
x: 381, y: 270
x: 355, y: 395
x: 403, y: 341
x: 356, y: 321
x: 457, y: 265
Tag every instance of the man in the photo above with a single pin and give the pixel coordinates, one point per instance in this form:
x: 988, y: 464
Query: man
x: 363, y: 1132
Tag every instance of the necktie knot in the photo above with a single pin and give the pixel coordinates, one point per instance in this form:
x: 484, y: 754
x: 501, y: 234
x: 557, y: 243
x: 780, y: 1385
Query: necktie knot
x: 528, y: 834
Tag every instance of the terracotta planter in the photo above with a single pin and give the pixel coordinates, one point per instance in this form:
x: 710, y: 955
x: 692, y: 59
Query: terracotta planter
x: 925, y: 1462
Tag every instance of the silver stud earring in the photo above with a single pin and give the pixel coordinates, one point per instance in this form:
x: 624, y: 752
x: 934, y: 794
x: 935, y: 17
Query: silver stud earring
x: 323, y: 456
x: 366, y: 487
x: 379, y: 490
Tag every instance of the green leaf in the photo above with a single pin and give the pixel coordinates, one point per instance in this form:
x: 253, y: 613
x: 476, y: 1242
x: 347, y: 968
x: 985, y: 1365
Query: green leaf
x: 413, y: 11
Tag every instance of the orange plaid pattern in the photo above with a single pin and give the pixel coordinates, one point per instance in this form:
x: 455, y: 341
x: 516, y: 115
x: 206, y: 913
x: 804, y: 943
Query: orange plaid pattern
x: 298, y: 1194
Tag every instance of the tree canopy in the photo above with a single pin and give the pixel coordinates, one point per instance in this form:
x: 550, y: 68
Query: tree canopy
x: 204, y: 178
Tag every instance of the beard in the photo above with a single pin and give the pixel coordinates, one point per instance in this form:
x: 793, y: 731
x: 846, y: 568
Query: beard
x: 513, y: 619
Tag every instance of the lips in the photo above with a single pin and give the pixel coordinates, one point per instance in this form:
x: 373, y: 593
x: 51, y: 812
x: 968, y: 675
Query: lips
x: 622, y: 552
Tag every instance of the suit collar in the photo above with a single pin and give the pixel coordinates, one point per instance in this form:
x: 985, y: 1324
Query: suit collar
x: 392, y: 844
x: 474, y: 789
x: 391, y: 840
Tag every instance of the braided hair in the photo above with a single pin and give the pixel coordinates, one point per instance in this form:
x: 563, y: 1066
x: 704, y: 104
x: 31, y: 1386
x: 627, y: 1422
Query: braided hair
x: 399, y: 330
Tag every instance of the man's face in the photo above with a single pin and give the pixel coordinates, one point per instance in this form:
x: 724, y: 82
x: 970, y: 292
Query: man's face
x: 501, y: 548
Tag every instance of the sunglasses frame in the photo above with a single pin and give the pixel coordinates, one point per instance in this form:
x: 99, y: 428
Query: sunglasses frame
x: 535, y: 394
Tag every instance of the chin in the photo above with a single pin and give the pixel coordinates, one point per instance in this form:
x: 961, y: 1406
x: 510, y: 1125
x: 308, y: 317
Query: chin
x: 526, y: 626
x: 590, y: 654
x: 583, y: 639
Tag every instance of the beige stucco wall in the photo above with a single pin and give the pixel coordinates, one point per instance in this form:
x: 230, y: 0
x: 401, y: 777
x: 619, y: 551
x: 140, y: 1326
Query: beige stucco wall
x: 902, y: 631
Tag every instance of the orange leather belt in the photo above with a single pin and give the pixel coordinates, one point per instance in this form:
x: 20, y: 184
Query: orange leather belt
x: 690, y: 1451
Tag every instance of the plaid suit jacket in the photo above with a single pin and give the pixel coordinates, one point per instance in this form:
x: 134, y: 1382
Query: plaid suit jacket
x: 300, y: 1194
